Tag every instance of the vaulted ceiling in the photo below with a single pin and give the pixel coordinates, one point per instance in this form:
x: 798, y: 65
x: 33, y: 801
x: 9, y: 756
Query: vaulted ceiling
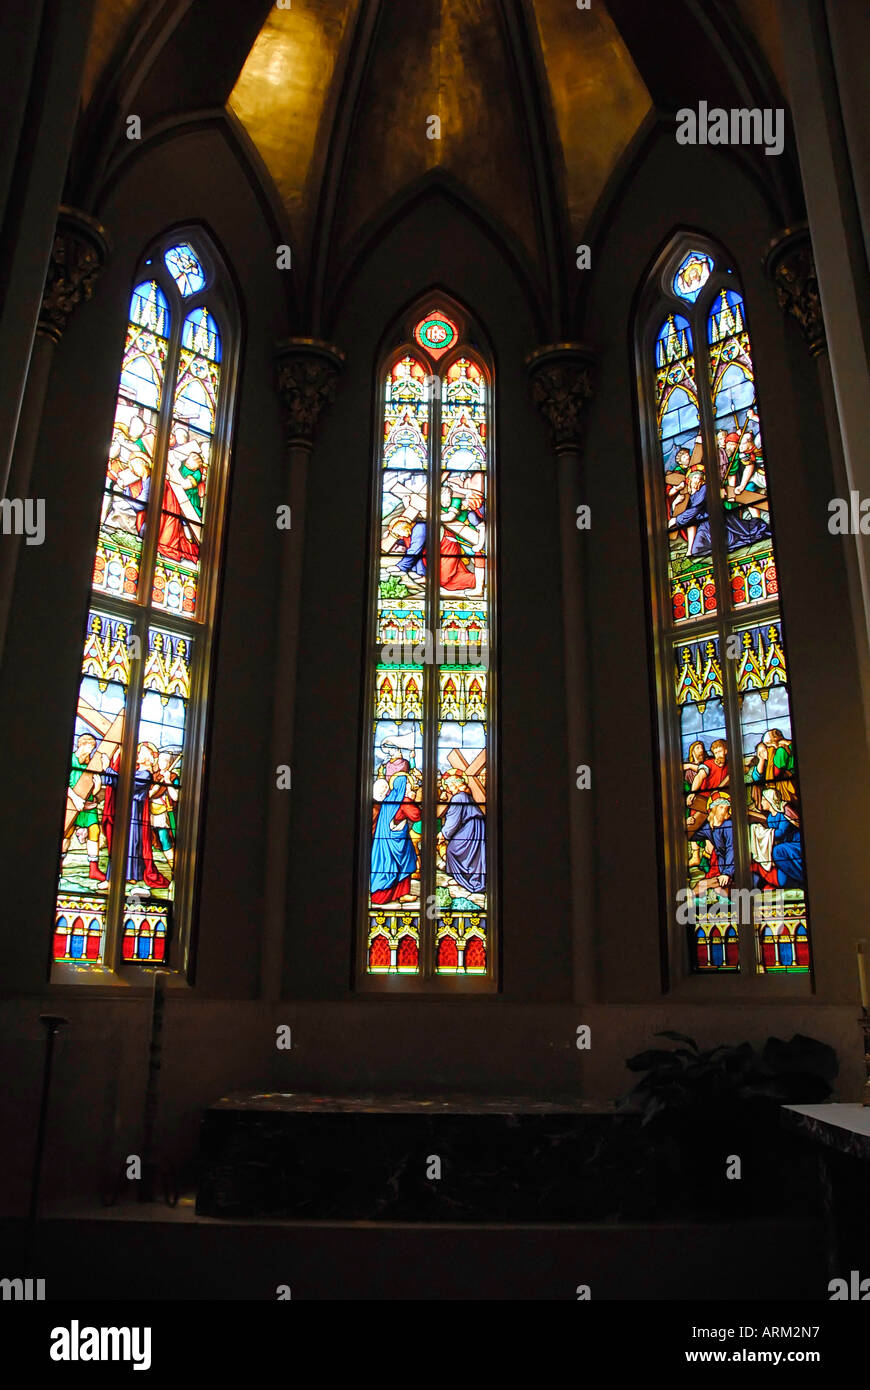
x: 449, y: 59
x: 334, y: 100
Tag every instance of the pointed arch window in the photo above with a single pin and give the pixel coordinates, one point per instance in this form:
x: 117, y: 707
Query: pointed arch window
x: 729, y: 769
x: 428, y: 835
x: 131, y: 814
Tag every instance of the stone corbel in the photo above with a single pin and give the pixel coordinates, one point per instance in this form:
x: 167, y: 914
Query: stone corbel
x: 789, y: 263
x: 78, y: 254
x: 306, y: 377
x: 560, y: 379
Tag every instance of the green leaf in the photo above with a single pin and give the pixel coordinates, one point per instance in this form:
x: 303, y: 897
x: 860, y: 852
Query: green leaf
x: 801, y: 1054
x: 648, y: 1061
x: 729, y: 1079
x: 677, y: 1037
x: 654, y: 1108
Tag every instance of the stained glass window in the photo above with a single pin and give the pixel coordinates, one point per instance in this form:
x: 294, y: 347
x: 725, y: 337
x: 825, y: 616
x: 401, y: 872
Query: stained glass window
x: 436, y: 333
x: 428, y: 837
x: 130, y: 820
x: 184, y: 267
x: 731, y: 789
x: 692, y: 274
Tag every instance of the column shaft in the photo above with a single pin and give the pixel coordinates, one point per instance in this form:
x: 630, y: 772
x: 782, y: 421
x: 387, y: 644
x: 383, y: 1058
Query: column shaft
x: 35, y: 190
x: 307, y: 374
x: 78, y: 253
x: 561, y: 384
x: 840, y: 261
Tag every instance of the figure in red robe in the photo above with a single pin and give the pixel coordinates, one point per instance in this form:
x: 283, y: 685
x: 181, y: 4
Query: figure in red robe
x: 140, y: 852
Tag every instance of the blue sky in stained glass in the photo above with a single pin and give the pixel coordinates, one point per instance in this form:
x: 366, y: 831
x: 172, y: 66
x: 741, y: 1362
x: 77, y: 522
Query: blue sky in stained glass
x: 720, y: 322
x: 200, y: 334
x: 148, y: 308
x: 185, y: 269
x: 674, y: 340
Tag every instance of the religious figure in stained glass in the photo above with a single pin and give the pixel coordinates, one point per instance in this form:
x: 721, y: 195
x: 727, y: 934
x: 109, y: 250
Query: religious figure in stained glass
x: 128, y: 786
x: 428, y: 859
x: 733, y: 776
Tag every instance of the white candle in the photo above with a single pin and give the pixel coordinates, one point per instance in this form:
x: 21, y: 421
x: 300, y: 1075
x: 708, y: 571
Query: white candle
x: 862, y: 974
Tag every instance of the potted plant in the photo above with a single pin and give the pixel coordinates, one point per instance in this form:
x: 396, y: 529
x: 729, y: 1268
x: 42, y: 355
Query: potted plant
x: 708, y: 1108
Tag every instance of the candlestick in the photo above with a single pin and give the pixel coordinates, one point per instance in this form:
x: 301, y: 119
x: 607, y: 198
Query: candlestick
x: 153, y: 1166
x: 864, y: 1021
x: 51, y: 1023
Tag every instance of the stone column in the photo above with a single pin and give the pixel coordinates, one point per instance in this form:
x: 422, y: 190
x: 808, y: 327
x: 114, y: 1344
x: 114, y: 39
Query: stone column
x: 78, y: 253
x: 790, y: 263
x: 47, y: 42
x: 848, y: 23
x: 307, y: 373
x: 817, y: 86
x: 560, y: 378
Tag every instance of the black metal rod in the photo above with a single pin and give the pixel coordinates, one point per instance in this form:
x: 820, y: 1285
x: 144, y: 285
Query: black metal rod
x: 51, y: 1023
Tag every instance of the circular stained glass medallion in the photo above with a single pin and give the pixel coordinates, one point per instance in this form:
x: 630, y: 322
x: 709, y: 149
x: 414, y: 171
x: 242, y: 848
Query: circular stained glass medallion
x: 185, y: 268
x: 436, y: 333
x: 693, y: 272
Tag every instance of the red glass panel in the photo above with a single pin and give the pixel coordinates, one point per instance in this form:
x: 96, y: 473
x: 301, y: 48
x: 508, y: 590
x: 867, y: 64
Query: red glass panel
x: 475, y: 954
x: 448, y: 955
x: 379, y: 954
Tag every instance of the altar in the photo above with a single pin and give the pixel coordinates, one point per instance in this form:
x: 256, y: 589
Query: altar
x: 841, y: 1134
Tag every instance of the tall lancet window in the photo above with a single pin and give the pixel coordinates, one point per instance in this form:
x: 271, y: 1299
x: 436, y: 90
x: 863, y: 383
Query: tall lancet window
x: 427, y: 825
x: 132, y: 803
x: 729, y: 769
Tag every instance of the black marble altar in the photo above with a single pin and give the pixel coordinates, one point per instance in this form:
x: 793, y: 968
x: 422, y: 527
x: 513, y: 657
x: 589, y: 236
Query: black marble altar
x: 839, y: 1126
x: 315, y: 1157
x: 840, y: 1136
x: 358, y: 1158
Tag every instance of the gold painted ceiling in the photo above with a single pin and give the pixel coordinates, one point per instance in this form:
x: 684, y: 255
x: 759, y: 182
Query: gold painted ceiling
x: 762, y: 18
x: 110, y: 23
x: 439, y: 94
x: 598, y: 97
x: 444, y: 58
x: 450, y: 59
x: 285, y: 89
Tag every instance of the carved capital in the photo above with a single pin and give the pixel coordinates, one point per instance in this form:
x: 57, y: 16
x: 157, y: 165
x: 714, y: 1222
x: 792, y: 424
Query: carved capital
x: 560, y: 378
x: 306, y: 376
x: 789, y: 263
x: 78, y: 254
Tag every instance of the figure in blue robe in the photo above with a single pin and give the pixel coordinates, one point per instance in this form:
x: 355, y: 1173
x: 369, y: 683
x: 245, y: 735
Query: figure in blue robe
x: 393, y: 857
x: 721, y: 838
x: 788, y: 850
x: 739, y: 530
x: 414, y: 559
x: 464, y: 829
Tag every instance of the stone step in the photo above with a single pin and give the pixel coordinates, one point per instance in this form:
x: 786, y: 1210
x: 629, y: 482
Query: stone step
x: 136, y: 1253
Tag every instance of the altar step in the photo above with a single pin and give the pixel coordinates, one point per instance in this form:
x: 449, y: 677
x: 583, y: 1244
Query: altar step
x: 142, y: 1254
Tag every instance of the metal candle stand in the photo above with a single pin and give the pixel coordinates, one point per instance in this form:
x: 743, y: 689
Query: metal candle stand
x: 51, y: 1023
x: 864, y: 1022
x: 155, y: 1170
